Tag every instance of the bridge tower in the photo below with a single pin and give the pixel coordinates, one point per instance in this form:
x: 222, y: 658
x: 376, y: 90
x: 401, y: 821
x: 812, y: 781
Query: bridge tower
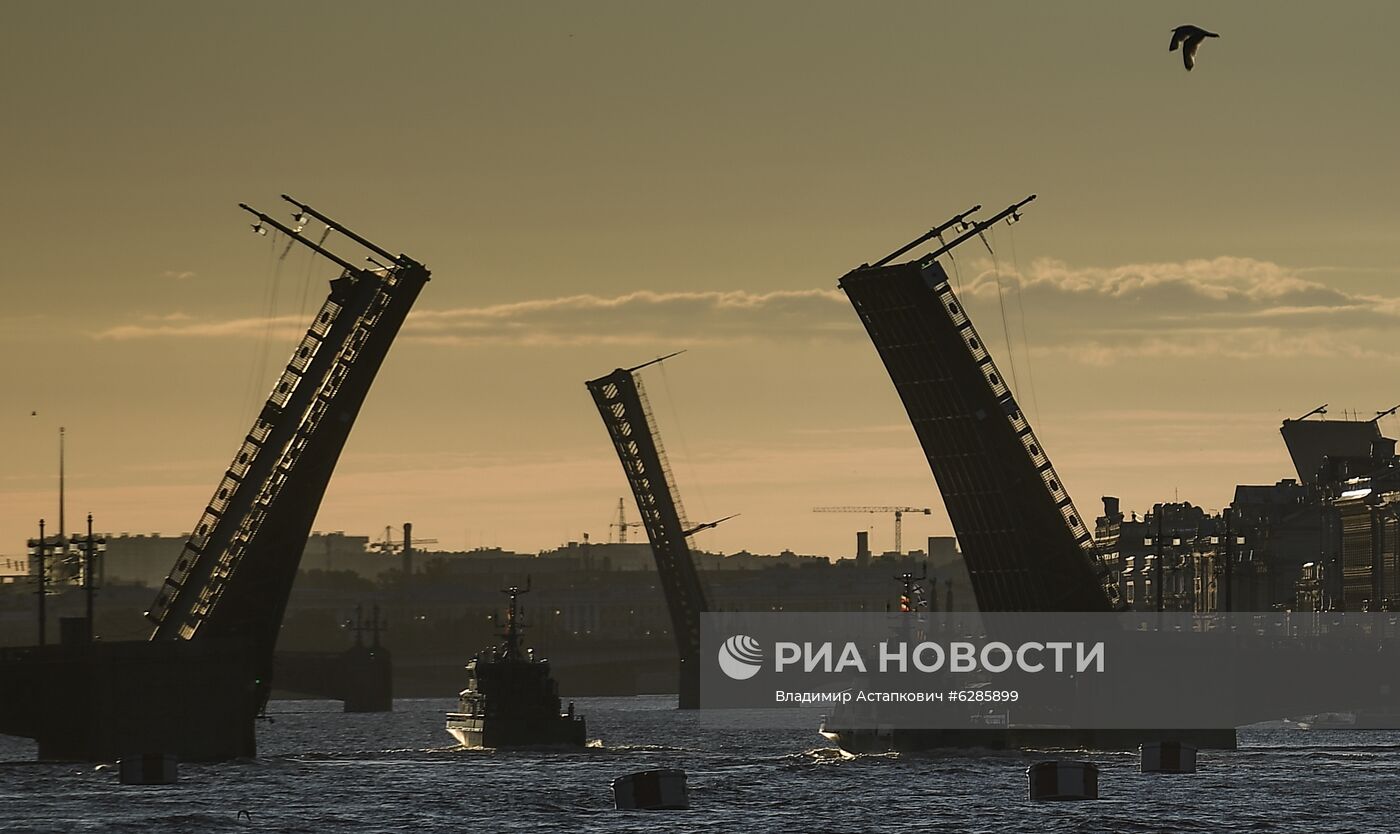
x: 1026, y: 546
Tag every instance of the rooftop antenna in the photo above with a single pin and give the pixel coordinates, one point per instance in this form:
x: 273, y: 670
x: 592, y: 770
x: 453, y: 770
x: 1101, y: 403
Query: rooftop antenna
x: 1386, y: 413
x: 1320, y: 411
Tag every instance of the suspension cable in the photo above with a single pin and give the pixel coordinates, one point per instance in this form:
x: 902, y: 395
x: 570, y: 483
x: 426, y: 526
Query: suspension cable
x: 251, y: 395
x: 306, y: 281
x: 1020, y: 304
x: 685, y: 447
x: 1005, y: 331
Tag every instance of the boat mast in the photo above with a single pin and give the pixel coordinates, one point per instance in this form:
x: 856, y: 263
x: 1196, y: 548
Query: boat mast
x: 513, y: 627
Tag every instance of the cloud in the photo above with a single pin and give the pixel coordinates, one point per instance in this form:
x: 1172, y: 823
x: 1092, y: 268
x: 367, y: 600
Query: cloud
x: 1238, y: 308
x: 1219, y: 286
x: 1250, y: 343
x: 181, y: 325
x: 1225, y: 307
x: 643, y: 317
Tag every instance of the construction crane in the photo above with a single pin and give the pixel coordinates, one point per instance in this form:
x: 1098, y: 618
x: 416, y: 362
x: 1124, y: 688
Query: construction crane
x: 622, y: 524
x: 406, y: 547
x: 389, y: 545
x: 898, y: 518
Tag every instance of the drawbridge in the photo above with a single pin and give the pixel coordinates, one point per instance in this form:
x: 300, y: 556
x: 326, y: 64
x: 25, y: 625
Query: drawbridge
x: 621, y: 400
x: 234, y: 574
x: 195, y: 688
x: 1026, y: 546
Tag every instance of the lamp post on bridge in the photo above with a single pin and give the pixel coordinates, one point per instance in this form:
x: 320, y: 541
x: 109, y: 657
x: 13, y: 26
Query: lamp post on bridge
x: 39, y: 553
x: 73, y: 549
x: 90, y: 548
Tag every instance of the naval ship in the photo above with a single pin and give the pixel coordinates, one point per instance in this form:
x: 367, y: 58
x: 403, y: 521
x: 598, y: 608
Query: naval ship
x: 510, y: 699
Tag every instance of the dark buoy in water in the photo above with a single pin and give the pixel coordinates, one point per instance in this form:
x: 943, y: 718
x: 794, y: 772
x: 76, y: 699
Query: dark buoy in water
x: 652, y: 790
x: 1168, y: 757
x: 1057, y: 780
x: 149, y: 769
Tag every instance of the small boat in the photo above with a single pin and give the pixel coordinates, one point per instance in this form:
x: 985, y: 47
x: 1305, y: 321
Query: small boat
x: 510, y: 699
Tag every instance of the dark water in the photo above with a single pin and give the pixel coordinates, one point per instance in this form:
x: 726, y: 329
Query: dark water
x: 324, y: 771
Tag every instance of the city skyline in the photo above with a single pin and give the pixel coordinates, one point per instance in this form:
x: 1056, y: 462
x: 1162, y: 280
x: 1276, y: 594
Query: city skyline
x: 1183, y: 283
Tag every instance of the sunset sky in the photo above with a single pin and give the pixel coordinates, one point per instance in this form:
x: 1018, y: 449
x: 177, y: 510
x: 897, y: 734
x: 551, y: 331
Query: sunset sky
x: 595, y: 184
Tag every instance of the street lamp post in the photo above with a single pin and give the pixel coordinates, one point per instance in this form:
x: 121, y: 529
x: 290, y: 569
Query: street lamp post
x: 39, y: 548
x: 92, y: 547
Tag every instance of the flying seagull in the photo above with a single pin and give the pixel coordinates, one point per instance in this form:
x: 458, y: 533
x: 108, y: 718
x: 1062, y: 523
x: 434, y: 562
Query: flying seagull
x: 1189, y: 39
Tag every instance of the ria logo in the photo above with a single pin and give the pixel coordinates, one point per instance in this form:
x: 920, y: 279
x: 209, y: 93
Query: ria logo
x: 740, y: 657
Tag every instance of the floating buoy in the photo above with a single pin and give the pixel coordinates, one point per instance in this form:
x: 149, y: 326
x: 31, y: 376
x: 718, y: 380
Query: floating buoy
x: 149, y: 769
x: 1168, y: 757
x: 1056, y: 780
x: 651, y: 790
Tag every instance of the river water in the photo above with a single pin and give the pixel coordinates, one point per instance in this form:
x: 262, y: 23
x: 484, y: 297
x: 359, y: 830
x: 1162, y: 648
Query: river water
x: 320, y: 770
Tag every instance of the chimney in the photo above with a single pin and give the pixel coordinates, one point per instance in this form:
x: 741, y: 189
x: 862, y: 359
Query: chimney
x: 1111, y: 509
x: 862, y: 548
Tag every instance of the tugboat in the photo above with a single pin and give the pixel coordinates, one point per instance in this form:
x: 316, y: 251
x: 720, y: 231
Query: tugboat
x: 510, y: 699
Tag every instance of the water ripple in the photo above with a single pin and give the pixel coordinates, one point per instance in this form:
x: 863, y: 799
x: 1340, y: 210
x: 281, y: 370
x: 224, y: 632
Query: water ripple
x: 322, y: 770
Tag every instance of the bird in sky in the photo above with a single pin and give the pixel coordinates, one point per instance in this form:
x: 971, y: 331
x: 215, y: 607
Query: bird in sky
x: 1189, y: 39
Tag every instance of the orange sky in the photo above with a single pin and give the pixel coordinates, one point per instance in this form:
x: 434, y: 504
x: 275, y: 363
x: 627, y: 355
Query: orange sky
x: 596, y: 184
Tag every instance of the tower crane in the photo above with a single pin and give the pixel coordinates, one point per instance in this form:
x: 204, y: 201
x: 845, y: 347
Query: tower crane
x: 405, y: 548
x: 622, y: 524
x: 898, y: 518
x: 389, y: 545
